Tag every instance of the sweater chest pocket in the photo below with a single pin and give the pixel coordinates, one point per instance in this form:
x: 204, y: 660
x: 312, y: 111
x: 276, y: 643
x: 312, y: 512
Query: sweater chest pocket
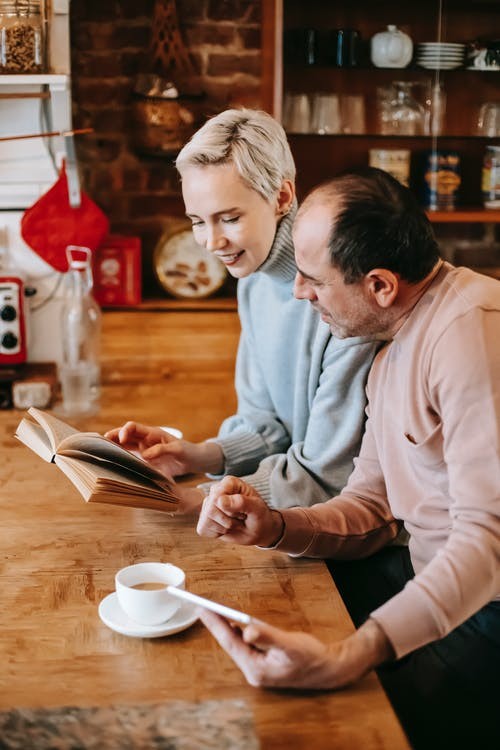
x: 427, y: 451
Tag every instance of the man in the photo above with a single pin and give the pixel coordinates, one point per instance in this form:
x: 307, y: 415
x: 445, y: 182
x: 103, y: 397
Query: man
x: 430, y: 460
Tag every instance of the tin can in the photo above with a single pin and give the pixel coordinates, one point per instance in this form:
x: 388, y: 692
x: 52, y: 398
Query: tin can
x: 490, y: 183
x: 441, y: 180
x: 395, y: 161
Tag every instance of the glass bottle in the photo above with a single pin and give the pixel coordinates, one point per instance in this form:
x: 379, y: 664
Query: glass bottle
x: 79, y: 369
x: 21, y: 37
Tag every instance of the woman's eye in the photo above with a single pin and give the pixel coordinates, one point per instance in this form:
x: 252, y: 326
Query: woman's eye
x: 195, y: 224
x: 231, y: 220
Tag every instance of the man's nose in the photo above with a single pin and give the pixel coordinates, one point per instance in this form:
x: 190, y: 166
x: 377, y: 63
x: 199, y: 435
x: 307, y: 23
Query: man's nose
x: 302, y: 289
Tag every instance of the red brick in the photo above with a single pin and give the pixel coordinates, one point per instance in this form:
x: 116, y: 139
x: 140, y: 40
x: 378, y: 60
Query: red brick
x: 210, y: 34
x: 191, y: 10
x: 113, y: 120
x: 135, y: 8
x: 231, y: 10
x: 94, y: 149
x: 227, y: 65
x: 163, y: 176
x: 102, y: 65
x: 94, y: 93
x: 143, y: 206
x: 250, y: 37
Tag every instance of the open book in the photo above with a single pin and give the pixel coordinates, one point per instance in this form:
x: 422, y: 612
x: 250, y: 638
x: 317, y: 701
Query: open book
x: 102, y: 471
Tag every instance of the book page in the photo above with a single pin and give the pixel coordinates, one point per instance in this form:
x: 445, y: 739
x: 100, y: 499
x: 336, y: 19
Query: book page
x: 34, y: 436
x: 92, y: 444
x: 96, y: 482
x: 56, y: 429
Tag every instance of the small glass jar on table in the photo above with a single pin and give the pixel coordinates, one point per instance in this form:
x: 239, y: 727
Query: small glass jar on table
x: 22, y: 48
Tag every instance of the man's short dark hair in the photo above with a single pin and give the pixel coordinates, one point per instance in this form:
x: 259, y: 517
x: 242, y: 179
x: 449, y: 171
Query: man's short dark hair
x: 378, y: 224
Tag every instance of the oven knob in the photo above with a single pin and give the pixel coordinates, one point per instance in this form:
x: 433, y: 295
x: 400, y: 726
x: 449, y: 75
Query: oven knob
x: 9, y: 341
x: 8, y: 312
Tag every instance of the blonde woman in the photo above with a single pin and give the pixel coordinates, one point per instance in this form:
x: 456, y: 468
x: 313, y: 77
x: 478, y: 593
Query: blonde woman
x: 301, y: 392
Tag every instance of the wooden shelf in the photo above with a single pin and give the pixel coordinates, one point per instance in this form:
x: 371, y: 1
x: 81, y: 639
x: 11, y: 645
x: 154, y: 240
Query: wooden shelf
x: 393, y: 136
x: 465, y: 215
x: 168, y: 304
x: 53, y: 80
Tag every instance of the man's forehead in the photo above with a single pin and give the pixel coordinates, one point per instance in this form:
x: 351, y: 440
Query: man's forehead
x: 312, y: 228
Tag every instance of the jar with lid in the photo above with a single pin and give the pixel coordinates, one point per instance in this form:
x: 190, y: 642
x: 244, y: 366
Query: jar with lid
x: 491, y: 177
x: 21, y: 37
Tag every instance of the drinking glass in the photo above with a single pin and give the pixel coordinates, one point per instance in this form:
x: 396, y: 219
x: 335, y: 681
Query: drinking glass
x: 325, y: 114
x: 296, y: 113
x: 352, y: 113
x: 488, y: 121
x: 435, y: 108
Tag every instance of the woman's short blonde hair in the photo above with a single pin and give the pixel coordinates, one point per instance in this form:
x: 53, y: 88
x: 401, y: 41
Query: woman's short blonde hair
x: 252, y: 140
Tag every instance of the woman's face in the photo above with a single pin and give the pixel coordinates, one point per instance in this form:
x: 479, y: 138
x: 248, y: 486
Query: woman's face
x: 229, y: 218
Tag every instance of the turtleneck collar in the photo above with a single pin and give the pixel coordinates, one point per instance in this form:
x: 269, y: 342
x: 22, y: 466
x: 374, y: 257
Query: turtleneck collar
x: 280, y: 262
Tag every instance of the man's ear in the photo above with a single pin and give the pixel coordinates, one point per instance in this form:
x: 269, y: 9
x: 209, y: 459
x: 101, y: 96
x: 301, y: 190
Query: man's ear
x: 382, y: 286
x: 286, y: 194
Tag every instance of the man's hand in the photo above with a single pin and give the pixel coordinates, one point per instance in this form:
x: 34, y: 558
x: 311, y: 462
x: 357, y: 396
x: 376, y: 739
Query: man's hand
x: 235, y: 512
x: 171, y: 456
x: 270, y: 657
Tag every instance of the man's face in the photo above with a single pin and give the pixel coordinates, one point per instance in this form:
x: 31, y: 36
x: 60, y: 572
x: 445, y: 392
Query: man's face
x: 348, y: 309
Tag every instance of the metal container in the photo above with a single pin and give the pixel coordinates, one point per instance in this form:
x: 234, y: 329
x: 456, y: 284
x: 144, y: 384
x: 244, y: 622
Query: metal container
x: 490, y: 183
x: 395, y: 161
x: 441, y: 180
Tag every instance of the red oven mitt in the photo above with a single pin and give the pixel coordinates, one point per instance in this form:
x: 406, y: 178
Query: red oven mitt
x: 51, y: 224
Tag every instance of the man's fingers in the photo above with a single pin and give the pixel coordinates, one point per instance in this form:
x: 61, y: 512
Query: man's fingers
x: 228, y: 637
x: 214, y: 527
x: 263, y: 636
x: 232, y: 505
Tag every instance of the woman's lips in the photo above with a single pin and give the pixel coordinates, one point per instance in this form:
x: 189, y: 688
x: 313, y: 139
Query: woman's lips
x: 230, y: 260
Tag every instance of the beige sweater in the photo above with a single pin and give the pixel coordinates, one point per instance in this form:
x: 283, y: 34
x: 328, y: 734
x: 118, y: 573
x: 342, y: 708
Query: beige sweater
x: 430, y: 458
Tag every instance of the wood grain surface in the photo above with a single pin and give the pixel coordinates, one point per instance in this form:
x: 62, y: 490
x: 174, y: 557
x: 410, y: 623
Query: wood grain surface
x: 58, y: 557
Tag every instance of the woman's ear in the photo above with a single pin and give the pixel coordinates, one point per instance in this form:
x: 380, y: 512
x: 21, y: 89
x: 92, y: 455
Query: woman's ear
x: 286, y: 195
x: 383, y: 286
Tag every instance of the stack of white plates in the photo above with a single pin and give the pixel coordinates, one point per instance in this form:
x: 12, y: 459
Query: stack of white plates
x: 440, y: 55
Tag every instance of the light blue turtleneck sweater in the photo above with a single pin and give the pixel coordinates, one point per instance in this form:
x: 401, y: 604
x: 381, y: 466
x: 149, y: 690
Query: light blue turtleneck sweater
x: 301, y: 392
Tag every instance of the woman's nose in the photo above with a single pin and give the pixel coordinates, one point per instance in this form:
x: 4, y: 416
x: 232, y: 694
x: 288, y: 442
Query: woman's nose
x: 215, y: 240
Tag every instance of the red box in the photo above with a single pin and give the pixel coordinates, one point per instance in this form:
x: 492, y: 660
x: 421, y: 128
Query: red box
x: 117, y: 271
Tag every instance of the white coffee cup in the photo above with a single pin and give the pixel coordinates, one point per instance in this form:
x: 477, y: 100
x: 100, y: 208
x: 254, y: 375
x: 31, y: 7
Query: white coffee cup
x: 149, y: 606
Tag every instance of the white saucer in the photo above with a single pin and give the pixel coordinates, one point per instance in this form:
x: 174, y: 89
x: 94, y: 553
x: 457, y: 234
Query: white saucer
x: 115, y: 618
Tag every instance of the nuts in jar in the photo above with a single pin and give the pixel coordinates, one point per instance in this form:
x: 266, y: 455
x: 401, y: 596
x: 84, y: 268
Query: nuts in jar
x: 21, y: 37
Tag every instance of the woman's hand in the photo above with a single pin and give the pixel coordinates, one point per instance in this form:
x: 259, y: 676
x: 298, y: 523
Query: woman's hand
x: 171, y: 456
x: 235, y: 512
x: 271, y: 657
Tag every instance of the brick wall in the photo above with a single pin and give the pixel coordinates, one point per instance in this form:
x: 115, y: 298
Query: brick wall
x: 110, y: 46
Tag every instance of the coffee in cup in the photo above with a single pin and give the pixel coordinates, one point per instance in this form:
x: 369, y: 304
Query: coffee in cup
x: 142, y: 591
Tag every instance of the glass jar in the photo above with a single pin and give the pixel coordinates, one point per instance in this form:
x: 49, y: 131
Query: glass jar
x: 21, y: 37
x: 491, y: 177
x: 398, y: 112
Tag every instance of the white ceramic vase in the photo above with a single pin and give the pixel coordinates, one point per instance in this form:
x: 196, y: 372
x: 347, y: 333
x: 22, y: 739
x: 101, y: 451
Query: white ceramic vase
x: 391, y: 49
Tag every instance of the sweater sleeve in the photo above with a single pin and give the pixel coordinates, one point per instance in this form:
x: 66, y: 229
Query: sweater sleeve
x: 314, y: 469
x: 352, y: 525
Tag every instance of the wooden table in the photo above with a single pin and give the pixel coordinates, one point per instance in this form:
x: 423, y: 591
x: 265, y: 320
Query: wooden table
x: 58, y: 558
